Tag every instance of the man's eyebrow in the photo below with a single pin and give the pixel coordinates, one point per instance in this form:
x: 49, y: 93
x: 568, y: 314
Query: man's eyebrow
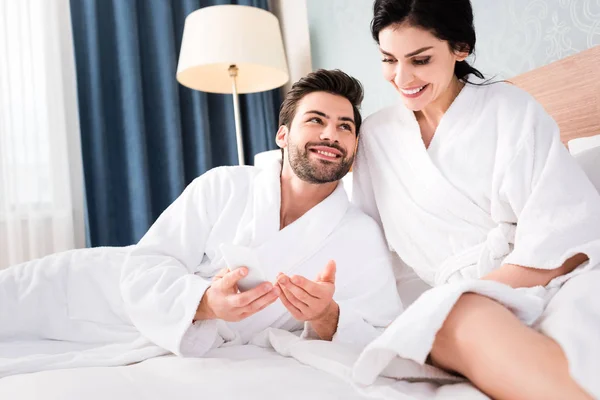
x: 347, y: 119
x: 322, y: 114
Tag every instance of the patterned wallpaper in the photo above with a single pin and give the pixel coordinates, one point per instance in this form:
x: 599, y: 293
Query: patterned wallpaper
x: 513, y: 36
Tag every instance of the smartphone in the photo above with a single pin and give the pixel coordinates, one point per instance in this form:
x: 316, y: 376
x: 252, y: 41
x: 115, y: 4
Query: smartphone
x: 240, y: 256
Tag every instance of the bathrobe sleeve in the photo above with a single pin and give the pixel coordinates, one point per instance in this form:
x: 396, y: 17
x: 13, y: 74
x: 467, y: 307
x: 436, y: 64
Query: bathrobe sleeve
x: 160, y: 291
x: 556, y: 206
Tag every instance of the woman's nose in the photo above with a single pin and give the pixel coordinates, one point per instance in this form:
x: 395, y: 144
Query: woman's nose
x: 403, y: 76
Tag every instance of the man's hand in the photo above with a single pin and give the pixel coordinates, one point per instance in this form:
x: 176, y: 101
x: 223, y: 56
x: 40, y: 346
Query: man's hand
x: 223, y: 300
x: 312, y: 301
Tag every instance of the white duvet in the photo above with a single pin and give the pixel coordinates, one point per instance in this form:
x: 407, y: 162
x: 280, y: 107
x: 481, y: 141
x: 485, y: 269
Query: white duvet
x: 277, y: 365
x: 121, y: 364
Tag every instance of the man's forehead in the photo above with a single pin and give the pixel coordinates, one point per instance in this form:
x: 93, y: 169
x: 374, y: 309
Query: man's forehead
x: 327, y: 103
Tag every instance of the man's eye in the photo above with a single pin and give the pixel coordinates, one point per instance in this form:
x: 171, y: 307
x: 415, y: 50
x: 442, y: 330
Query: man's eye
x: 316, y: 119
x: 346, y: 127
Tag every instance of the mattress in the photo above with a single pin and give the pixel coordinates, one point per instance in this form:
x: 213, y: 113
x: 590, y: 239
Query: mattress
x: 238, y: 372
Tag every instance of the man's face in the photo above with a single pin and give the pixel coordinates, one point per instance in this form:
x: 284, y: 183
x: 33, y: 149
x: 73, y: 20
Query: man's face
x: 321, y: 140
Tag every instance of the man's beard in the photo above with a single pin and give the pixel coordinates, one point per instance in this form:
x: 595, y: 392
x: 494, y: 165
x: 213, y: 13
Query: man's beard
x: 317, y: 170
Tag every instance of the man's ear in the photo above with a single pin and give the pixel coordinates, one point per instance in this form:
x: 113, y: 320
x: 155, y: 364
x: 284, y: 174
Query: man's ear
x: 281, y: 137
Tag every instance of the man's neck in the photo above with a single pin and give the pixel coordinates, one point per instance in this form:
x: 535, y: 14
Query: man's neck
x: 298, y: 196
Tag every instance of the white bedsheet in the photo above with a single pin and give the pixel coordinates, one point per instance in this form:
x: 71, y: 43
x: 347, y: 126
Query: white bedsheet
x: 311, y: 370
x: 277, y: 364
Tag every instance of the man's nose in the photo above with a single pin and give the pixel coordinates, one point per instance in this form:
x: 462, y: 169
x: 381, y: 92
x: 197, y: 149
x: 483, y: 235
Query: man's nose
x: 330, y: 132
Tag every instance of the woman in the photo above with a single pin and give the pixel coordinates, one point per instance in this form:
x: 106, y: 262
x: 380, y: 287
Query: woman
x: 469, y: 180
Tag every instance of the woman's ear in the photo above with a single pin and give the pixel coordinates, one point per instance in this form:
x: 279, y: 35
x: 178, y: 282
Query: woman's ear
x: 281, y: 137
x: 462, y: 52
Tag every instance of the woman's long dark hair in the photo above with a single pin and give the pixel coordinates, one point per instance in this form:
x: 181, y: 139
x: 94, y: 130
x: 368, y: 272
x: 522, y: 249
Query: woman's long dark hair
x: 448, y: 20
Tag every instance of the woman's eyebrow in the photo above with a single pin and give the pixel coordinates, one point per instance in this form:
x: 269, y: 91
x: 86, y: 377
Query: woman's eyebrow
x: 414, y: 53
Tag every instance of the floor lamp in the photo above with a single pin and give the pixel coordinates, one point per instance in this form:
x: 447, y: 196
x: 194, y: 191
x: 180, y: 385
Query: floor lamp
x: 232, y: 49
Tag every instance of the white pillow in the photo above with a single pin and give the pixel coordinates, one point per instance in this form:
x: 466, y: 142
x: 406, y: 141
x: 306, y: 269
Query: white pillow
x: 589, y: 160
x: 586, y: 151
x: 266, y: 157
x: 578, y: 145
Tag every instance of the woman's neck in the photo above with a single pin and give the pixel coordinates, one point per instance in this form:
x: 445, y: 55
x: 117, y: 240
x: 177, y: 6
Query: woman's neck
x: 432, y: 114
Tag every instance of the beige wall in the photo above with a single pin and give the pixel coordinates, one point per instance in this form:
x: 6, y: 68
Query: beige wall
x: 293, y: 19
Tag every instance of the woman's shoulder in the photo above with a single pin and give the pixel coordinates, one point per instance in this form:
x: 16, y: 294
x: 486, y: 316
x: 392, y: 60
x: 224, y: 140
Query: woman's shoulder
x: 384, y: 118
x: 504, y: 94
x: 515, y: 112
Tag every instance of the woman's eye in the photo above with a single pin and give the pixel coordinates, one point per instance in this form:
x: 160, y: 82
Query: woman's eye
x: 315, y: 119
x: 387, y: 60
x: 421, y: 61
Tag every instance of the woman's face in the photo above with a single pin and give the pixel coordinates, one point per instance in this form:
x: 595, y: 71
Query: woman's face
x: 419, y: 65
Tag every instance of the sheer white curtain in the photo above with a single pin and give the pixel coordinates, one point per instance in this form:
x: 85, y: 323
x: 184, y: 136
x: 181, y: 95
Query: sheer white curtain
x: 41, y: 180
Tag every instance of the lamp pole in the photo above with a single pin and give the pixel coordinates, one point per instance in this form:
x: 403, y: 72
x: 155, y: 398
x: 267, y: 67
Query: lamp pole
x: 233, y: 72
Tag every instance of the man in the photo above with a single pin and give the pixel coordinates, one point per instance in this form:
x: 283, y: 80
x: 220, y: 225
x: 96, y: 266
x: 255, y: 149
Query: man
x: 327, y: 268
x: 295, y: 216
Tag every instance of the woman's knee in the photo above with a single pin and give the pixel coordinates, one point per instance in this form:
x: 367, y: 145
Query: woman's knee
x: 464, y: 331
x: 454, y: 339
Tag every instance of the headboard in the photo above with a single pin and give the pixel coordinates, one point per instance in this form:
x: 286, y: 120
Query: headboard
x: 569, y: 90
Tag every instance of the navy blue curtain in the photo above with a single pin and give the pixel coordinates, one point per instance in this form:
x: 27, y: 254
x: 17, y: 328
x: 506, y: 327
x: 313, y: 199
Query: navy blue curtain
x: 144, y: 136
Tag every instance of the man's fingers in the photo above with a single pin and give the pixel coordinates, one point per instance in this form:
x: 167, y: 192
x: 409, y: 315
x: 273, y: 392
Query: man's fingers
x: 241, y: 300
x: 262, y: 302
x: 328, y: 273
x: 220, y: 274
x: 296, y: 313
x: 304, y: 290
x: 314, y: 289
x: 300, y: 293
x: 231, y: 279
x: 300, y: 305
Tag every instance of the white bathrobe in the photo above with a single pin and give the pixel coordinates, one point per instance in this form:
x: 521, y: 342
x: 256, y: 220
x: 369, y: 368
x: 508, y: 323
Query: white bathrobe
x: 496, y: 186
x: 167, y: 273
x: 115, y: 306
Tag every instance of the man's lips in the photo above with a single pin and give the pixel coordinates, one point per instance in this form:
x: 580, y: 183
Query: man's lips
x: 327, y: 151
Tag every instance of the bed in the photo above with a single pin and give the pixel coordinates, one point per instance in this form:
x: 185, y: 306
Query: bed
x: 569, y: 89
x: 288, y: 370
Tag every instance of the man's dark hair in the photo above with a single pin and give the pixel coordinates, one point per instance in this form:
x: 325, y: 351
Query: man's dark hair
x: 331, y: 81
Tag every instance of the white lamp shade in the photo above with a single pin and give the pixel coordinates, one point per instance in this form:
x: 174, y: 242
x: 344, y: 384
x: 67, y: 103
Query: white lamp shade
x: 219, y: 36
